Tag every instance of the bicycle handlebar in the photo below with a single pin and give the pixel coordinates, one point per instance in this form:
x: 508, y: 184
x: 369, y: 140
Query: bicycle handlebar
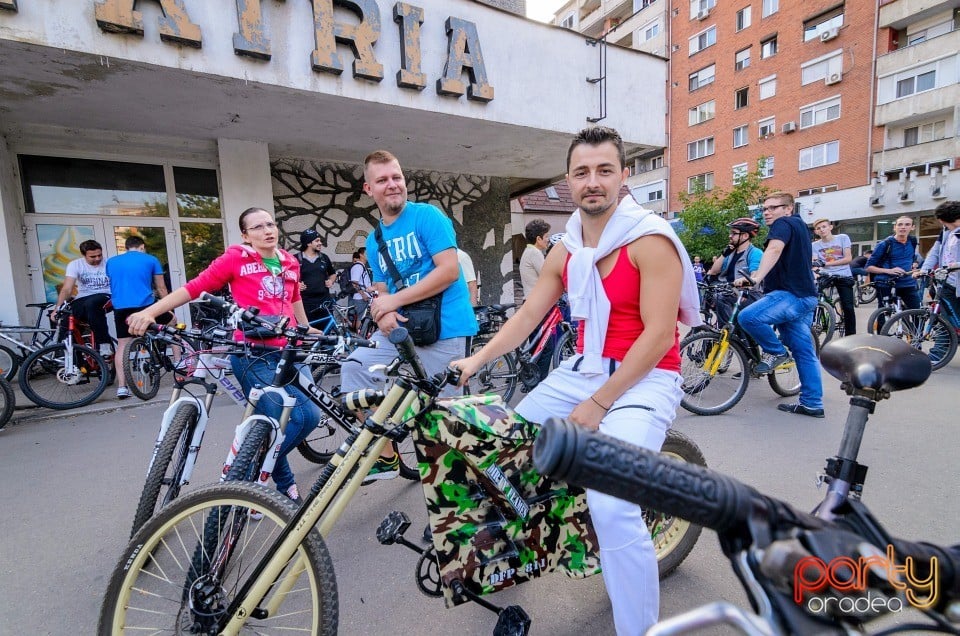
x: 700, y: 495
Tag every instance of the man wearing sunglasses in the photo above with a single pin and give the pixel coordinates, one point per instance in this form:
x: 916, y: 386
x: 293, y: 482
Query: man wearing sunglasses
x: 790, y: 297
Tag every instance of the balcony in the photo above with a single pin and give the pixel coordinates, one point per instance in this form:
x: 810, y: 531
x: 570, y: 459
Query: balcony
x: 929, y: 151
x: 899, y: 14
x: 908, y: 109
x: 597, y: 23
x: 919, y: 53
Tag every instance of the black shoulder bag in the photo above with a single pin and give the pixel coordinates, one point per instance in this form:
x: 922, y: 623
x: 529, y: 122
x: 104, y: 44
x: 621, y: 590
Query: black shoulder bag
x: 423, y: 316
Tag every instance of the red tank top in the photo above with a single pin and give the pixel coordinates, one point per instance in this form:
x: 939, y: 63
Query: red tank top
x: 622, y: 286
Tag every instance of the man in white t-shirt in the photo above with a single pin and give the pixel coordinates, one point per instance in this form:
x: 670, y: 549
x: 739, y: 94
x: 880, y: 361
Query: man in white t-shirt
x: 88, y: 275
x: 469, y: 275
x: 835, y: 252
x: 531, y: 260
x: 360, y: 277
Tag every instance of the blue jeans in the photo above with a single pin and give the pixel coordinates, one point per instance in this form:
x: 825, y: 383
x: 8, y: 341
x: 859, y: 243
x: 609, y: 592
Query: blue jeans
x: 258, y: 371
x: 792, y: 316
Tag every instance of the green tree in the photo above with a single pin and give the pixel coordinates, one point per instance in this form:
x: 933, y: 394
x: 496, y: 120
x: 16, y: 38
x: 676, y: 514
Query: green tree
x: 706, y: 213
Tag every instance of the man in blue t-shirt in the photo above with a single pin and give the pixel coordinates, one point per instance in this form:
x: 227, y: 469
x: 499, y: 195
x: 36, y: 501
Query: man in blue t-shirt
x: 891, y: 263
x: 790, y: 296
x: 133, y: 275
x: 420, y: 241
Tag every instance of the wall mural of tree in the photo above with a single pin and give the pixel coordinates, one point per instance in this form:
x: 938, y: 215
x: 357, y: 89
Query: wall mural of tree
x: 329, y: 197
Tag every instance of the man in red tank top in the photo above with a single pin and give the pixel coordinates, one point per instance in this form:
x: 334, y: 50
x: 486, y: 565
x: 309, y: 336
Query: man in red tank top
x: 628, y: 279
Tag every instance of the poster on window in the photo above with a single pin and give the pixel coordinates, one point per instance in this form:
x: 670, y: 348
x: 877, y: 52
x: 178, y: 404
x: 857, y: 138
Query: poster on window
x: 59, y: 244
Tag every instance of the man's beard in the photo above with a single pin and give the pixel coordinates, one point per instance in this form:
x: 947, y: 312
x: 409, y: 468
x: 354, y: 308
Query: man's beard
x: 596, y: 209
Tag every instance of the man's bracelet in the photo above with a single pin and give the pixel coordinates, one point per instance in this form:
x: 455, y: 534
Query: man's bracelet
x: 605, y: 408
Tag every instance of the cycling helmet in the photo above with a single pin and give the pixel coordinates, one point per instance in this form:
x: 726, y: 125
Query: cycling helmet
x: 745, y: 224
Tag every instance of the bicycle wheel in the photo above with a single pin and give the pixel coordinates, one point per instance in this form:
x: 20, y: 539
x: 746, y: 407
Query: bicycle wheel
x: 9, y: 362
x: 785, y: 379
x: 715, y: 374
x: 878, y: 318
x: 46, y: 380
x: 167, y: 468
x: 673, y: 537
x: 323, y: 441
x: 912, y: 325
x: 824, y: 322
x: 246, y: 465
x: 409, y: 466
x: 154, y: 587
x: 142, y: 368
x: 566, y: 348
x: 867, y: 293
x: 497, y: 376
x: 7, y: 402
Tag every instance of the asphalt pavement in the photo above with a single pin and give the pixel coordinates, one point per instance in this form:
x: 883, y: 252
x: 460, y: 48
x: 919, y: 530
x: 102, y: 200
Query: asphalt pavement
x: 72, y: 480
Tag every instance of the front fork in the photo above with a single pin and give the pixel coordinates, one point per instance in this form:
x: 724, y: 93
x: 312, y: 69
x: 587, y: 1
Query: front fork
x: 717, y: 353
x: 250, y: 419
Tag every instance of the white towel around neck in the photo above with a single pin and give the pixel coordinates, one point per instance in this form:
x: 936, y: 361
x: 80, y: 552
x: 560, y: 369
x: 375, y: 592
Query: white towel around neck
x: 588, y: 301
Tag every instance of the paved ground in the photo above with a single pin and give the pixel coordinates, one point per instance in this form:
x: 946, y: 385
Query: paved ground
x: 71, y: 481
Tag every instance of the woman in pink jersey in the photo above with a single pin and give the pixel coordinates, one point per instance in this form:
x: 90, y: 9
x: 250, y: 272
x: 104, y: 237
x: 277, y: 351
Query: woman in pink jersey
x: 259, y: 274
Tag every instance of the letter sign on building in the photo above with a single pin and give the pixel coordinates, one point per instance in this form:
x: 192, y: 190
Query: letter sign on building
x: 409, y: 18
x: 8, y: 4
x: 251, y: 40
x: 464, y: 52
x: 360, y: 38
x: 119, y: 16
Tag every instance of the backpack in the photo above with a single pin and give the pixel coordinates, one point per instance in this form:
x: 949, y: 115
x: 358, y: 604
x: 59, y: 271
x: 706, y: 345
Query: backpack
x: 344, y: 282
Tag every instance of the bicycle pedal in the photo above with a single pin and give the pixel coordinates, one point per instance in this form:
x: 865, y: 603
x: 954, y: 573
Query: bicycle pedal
x: 513, y: 621
x: 392, y: 527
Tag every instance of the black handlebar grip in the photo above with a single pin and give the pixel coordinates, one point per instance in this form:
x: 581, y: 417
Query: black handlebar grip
x: 362, y: 342
x: 216, y: 301
x: 746, y: 274
x: 401, y: 339
x: 608, y: 465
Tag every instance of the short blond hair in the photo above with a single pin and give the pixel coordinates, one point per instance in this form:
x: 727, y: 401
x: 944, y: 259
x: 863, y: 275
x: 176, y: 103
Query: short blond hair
x: 785, y: 198
x: 819, y: 221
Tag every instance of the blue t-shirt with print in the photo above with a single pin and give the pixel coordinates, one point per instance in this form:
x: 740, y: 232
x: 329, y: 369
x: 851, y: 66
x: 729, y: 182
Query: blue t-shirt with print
x: 131, y: 279
x: 792, y: 272
x: 420, y: 232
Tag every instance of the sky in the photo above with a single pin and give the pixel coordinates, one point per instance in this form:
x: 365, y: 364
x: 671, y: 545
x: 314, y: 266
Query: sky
x: 543, y: 9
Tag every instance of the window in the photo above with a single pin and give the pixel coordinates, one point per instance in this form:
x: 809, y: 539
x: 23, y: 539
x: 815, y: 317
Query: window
x: 924, y: 133
x: 821, y: 189
x: 641, y: 4
x: 700, y: 182
x: 740, y: 136
x: 649, y: 191
x: 768, y: 48
x: 702, y: 77
x: 739, y: 173
x: 656, y: 162
x: 820, y: 113
x: 821, y: 155
x: 768, y: 87
x: 742, y: 59
x: 651, y: 31
x: 741, y: 98
x: 743, y: 18
x: 770, y: 7
x: 767, y: 127
x: 700, y: 148
x: 701, y: 6
x: 703, y: 39
x: 703, y: 112
x: 821, y: 68
x: 916, y: 37
x: 569, y: 21
x: 832, y: 19
x: 766, y: 167
x: 916, y: 84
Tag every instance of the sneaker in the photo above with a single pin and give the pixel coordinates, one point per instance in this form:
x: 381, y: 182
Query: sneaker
x: 800, y: 409
x: 123, y: 393
x: 770, y: 361
x: 384, y: 469
x: 293, y: 493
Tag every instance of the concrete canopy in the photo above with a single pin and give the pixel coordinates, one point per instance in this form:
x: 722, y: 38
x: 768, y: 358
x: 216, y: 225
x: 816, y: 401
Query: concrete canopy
x: 61, y: 70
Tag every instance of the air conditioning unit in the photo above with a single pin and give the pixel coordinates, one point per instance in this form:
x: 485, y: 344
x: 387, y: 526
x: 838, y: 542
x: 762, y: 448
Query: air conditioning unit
x: 703, y: 14
x: 833, y: 78
x: 938, y: 183
x: 829, y: 34
x: 876, y: 202
x: 789, y: 127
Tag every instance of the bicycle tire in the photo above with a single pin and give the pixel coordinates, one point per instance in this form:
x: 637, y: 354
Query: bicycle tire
x: 497, y: 376
x: 785, y: 379
x: 708, y: 392
x: 165, y: 471
x: 566, y: 348
x: 940, y: 345
x: 878, y: 318
x: 9, y: 363
x: 142, y: 368
x: 841, y: 326
x: 867, y: 293
x: 254, y: 448
x: 43, y: 381
x: 824, y: 322
x: 673, y: 537
x: 138, y: 597
x: 8, y: 400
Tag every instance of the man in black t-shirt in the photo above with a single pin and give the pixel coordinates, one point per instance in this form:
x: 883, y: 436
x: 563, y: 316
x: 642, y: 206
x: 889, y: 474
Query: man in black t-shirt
x: 790, y: 296
x: 316, y: 277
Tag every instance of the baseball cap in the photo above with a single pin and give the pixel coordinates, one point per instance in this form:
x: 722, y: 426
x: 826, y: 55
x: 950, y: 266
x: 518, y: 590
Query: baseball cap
x: 308, y: 236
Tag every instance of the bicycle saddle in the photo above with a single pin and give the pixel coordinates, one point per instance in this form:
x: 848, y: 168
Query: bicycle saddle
x: 875, y: 362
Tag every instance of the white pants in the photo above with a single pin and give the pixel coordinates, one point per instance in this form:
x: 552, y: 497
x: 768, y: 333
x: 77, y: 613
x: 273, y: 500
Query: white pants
x: 640, y: 416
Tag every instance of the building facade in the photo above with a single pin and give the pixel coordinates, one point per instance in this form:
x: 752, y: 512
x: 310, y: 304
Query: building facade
x: 168, y: 118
